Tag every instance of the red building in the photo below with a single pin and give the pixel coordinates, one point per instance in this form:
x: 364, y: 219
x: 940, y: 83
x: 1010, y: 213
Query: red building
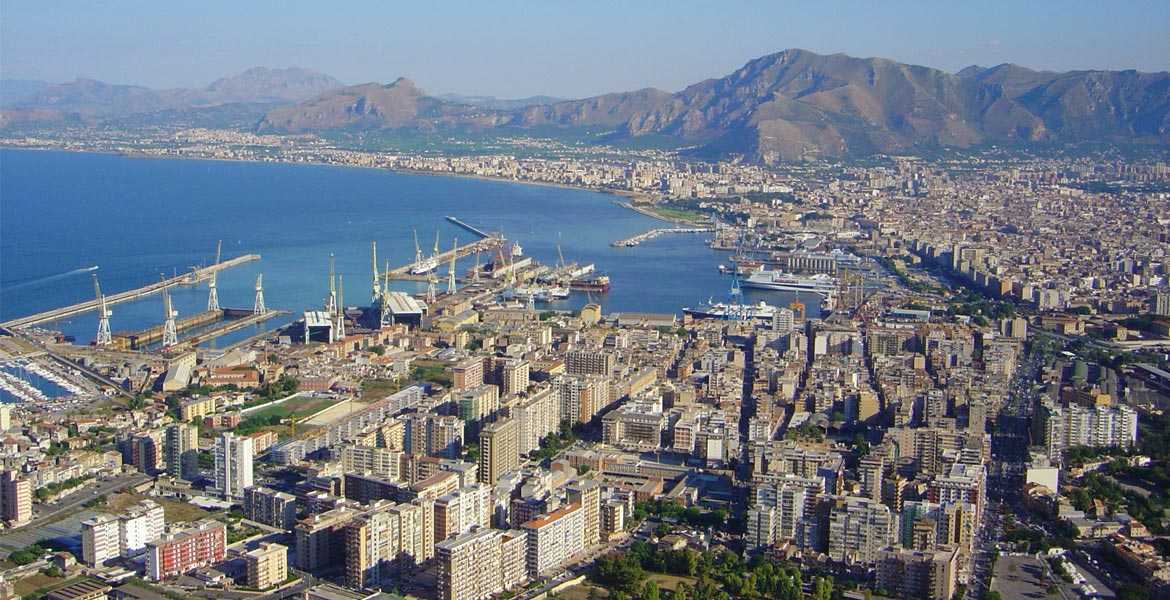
x: 178, y: 552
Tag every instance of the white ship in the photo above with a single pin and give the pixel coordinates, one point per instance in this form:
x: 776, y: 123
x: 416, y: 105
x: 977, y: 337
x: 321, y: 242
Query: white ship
x: 778, y: 280
x: 424, y: 267
x: 720, y: 310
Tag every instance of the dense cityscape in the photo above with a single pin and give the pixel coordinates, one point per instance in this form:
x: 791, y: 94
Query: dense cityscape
x: 984, y: 395
x: 933, y: 362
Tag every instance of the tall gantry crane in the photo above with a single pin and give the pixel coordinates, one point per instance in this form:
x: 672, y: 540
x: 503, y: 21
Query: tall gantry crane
x: 376, y: 288
x: 331, y: 301
x: 170, y: 335
x: 258, y: 307
x: 385, y: 316
x: 212, y: 294
x: 340, y: 308
x: 104, y: 338
x: 451, y: 267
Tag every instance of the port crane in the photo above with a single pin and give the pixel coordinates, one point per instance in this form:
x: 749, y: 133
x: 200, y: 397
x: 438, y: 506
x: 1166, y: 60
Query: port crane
x: 385, y: 318
x: 340, y: 327
x: 451, y: 267
x: 376, y: 288
x: 212, y: 294
x: 258, y: 307
x: 103, y: 333
x: 331, y: 301
x: 170, y: 335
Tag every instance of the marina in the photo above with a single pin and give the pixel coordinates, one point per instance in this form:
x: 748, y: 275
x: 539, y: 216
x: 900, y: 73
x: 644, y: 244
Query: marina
x: 653, y: 233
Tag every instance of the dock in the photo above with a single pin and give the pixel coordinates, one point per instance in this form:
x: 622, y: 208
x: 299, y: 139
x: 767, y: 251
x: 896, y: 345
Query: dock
x: 139, y: 339
x: 483, y: 245
x: 233, y: 325
x: 195, y: 276
x: 653, y: 233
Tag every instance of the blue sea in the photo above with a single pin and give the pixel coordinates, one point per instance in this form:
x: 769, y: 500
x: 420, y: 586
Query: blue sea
x: 137, y: 219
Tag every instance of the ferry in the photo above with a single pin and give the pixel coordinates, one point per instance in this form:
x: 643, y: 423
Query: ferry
x: 778, y: 280
x: 720, y: 310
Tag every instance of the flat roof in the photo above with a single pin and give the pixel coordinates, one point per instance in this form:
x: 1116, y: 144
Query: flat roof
x: 401, y: 303
x: 552, y: 516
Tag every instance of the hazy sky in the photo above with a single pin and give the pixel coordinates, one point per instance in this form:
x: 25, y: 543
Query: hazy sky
x: 568, y: 49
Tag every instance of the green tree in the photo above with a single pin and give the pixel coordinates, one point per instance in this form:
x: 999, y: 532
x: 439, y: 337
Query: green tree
x: 823, y: 588
x: 650, y: 591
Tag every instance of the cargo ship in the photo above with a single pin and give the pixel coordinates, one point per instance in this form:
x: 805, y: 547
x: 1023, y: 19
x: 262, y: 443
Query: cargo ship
x: 778, y: 280
x: 599, y: 283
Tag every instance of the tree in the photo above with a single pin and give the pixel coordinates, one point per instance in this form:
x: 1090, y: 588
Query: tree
x: 650, y: 591
x: 823, y: 588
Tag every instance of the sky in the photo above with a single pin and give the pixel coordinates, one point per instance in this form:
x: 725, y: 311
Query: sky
x: 560, y: 48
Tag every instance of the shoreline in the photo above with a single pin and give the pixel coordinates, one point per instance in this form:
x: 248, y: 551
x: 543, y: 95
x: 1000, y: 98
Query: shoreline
x: 635, y: 196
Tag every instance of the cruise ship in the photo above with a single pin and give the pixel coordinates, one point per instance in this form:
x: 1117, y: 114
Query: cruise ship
x: 720, y: 310
x: 778, y: 280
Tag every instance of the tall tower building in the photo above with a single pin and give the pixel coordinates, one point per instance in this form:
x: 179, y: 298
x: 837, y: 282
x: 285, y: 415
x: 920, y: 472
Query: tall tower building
x: 515, y: 376
x: 499, y: 450
x: 233, y: 465
x: 869, y: 471
x: 15, y: 498
x: 99, y: 540
x: 182, y: 451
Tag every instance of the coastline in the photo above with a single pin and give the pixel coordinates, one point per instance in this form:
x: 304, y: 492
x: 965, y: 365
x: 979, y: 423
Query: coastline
x: 635, y: 196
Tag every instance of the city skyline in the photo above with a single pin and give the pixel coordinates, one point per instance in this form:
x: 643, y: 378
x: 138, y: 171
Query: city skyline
x: 564, y: 51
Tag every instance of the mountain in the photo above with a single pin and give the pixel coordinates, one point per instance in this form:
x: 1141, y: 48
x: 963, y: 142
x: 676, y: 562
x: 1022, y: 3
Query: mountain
x: 493, y: 103
x: 89, y: 100
x: 796, y: 103
x: 261, y: 84
x: 400, y: 104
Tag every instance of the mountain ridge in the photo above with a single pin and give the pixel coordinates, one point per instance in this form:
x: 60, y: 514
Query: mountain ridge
x: 796, y: 103
x: 789, y: 105
x: 86, y: 100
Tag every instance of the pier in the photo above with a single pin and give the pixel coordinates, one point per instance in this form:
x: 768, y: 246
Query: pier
x: 653, y: 233
x: 195, y: 276
x: 477, y: 231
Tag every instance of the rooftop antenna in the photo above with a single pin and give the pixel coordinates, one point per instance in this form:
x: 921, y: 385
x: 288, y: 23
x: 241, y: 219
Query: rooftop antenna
x: 103, y: 333
x: 212, y: 294
x: 258, y: 307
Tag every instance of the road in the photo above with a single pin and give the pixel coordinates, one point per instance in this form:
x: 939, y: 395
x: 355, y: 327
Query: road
x: 1009, y: 453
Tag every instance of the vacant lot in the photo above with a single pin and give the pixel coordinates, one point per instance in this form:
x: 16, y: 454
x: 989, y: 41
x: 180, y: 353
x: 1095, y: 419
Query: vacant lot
x: 297, y: 408
x: 376, y: 389
x: 174, y: 510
